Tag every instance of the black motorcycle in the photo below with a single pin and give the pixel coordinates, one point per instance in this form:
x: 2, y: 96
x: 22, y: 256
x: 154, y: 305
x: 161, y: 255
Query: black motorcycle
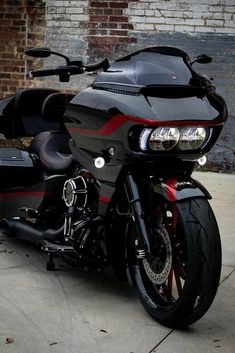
x: 106, y: 178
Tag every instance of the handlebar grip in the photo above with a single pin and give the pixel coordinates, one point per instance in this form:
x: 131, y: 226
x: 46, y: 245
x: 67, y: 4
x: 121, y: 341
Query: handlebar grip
x: 42, y: 73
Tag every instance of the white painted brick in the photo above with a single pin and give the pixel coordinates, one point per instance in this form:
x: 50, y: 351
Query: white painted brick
x: 149, y: 12
x: 216, y: 8
x: 218, y: 15
x: 58, y: 17
x: 58, y: 3
x: 76, y: 3
x: 227, y: 2
x: 179, y: 28
x: 164, y: 28
x: 156, y: 20
x: 195, y: 22
x: 205, y: 15
x: 157, y: 5
x: 215, y: 23
x: 139, y: 19
x: 60, y: 10
x: 199, y: 8
x: 79, y: 17
x: 144, y: 26
x: 170, y: 13
x: 187, y: 14
x: 204, y: 29
x: 75, y: 10
x: 75, y: 24
x: 144, y: 6
x: 139, y: 12
x: 229, y: 23
x: 184, y: 15
x: 228, y: 16
x: 225, y: 30
x: 50, y: 23
x: 230, y: 9
x: 175, y: 20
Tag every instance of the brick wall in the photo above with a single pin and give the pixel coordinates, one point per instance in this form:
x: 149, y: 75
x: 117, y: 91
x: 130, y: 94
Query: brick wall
x: 22, y: 24
x: 214, y: 16
x: 108, y: 28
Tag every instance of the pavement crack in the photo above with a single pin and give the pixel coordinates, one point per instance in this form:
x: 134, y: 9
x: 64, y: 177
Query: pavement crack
x: 227, y: 276
x: 164, y: 338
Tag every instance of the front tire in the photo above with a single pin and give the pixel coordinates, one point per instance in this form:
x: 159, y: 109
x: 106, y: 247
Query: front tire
x: 178, y: 283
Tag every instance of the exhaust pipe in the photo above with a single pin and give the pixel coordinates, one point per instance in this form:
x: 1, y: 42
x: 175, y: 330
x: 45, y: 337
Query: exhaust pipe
x: 24, y: 230
x: 4, y: 227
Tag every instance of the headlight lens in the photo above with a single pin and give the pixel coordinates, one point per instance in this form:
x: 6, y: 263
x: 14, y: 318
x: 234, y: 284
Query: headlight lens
x: 164, y: 138
x: 191, y: 138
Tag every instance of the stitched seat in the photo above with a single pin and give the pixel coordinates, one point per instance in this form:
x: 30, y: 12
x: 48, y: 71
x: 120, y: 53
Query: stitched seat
x: 28, y: 120
x: 52, y: 147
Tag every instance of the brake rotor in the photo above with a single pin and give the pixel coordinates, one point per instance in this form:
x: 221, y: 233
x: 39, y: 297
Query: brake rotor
x: 158, y: 267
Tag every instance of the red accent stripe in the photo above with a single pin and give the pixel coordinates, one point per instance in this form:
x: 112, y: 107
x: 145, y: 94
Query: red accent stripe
x: 26, y: 193
x: 171, y: 185
x: 104, y: 198
x: 114, y: 123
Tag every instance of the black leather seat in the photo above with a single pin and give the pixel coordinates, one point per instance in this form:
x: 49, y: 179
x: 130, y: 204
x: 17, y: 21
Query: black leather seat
x: 28, y: 108
x: 52, y: 147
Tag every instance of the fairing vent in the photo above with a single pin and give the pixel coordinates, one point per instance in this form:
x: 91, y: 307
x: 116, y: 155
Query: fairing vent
x: 118, y: 91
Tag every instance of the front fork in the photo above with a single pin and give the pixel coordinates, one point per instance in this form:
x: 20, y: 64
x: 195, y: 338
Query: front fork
x: 172, y: 189
x: 133, y: 196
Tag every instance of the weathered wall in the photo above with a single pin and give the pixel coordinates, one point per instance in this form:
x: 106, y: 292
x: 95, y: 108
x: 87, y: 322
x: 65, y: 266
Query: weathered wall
x: 22, y: 24
x: 196, y: 26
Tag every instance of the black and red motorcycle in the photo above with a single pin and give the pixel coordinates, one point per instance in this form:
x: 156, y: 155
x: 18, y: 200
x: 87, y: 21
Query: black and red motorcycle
x: 107, y: 176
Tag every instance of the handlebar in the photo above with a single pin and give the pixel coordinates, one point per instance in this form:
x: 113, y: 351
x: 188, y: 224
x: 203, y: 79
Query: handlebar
x: 64, y: 72
x: 102, y: 64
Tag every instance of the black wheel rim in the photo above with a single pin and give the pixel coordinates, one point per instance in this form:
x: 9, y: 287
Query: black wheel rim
x: 164, y: 293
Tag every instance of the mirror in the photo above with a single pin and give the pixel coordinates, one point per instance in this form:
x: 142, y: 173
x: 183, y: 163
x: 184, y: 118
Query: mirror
x: 202, y: 59
x: 39, y: 52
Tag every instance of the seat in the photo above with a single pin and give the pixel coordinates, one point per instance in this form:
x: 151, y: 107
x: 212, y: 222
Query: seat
x: 52, y: 147
x: 28, y: 107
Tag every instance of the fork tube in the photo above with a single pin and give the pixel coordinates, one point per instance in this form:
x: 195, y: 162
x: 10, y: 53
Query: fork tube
x: 133, y: 197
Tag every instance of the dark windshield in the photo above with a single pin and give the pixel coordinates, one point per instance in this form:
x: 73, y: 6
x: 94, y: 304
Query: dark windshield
x: 152, y: 66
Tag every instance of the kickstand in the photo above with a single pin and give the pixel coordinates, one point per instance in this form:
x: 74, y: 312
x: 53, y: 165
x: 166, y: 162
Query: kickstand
x: 50, y: 263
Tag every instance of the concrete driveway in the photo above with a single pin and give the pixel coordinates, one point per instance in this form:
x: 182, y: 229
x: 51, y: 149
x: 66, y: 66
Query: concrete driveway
x: 75, y: 312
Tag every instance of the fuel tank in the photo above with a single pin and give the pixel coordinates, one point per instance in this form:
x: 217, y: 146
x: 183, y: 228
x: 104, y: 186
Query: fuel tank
x: 149, y: 88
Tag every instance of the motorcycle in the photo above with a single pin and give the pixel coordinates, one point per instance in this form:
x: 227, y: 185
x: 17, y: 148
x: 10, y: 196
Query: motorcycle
x: 107, y: 179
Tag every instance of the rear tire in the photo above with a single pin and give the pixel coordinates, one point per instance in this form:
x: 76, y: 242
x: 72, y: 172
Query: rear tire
x: 178, y: 283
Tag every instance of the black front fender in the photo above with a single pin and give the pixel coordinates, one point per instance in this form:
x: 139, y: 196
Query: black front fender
x: 179, y: 188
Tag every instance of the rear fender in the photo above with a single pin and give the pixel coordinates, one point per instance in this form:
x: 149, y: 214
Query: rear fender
x: 176, y: 189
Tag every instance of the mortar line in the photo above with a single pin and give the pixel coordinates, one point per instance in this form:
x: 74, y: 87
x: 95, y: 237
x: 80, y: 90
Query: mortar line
x: 164, y: 338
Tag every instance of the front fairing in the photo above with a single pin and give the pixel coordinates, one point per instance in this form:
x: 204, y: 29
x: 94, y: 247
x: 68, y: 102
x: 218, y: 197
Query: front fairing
x: 149, y: 88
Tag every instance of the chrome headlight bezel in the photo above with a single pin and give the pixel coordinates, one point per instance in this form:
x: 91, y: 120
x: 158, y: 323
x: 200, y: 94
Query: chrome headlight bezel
x: 171, y: 138
x: 192, y: 138
x: 164, y: 138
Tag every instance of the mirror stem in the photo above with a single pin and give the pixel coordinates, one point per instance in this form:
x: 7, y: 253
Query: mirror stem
x: 62, y: 56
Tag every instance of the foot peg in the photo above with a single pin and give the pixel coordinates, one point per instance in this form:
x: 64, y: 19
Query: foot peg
x: 54, y: 249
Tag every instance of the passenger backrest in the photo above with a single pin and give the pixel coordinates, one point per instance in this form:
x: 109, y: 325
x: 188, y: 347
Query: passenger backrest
x: 54, y: 107
x: 27, y: 112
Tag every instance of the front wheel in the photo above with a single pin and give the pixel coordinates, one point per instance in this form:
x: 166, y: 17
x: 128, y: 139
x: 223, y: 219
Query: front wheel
x: 178, y: 282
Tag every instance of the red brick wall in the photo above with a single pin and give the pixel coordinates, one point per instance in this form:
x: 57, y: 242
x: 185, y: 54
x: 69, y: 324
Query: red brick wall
x: 108, y: 28
x: 22, y: 24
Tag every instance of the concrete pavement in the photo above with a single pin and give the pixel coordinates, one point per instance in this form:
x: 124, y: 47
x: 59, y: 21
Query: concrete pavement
x: 75, y: 312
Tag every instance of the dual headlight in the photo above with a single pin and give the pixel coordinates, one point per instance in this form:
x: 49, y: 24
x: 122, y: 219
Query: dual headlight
x: 166, y: 138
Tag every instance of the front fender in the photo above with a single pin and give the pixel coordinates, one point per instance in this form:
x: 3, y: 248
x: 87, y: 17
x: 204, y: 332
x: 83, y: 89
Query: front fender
x: 180, y: 188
